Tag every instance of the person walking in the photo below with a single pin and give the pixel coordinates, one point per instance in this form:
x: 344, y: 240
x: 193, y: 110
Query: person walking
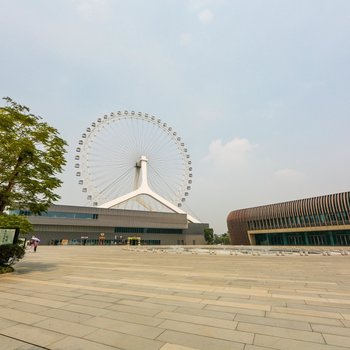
x: 34, y: 243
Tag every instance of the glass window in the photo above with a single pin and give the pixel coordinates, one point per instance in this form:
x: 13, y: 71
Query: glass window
x: 134, y: 230
x: 59, y: 214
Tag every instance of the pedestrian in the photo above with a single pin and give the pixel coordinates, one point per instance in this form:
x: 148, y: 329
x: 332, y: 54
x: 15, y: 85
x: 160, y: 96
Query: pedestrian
x: 31, y: 245
x: 35, y: 244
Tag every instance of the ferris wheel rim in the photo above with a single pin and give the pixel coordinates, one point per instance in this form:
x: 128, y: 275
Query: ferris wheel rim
x: 82, y: 169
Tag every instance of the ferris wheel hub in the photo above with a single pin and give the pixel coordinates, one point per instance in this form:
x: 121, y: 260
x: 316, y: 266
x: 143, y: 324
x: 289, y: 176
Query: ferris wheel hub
x: 142, y: 159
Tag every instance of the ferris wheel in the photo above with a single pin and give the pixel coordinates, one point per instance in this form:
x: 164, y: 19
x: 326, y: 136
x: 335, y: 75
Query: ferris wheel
x: 133, y: 160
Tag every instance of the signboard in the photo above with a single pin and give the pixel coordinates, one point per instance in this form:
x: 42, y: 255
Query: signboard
x: 8, y: 235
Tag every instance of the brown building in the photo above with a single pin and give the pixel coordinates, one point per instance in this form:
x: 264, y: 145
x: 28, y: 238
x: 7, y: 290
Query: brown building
x: 323, y: 220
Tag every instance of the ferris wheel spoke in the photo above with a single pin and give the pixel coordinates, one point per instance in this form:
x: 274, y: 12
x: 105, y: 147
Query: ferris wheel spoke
x: 132, y: 135
x: 162, y: 180
x: 152, y: 147
x: 111, y: 148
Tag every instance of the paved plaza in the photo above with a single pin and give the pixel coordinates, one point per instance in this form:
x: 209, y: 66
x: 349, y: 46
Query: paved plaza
x: 107, y: 297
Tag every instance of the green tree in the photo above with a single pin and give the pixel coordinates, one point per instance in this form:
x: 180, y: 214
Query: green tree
x: 226, y: 239
x: 31, y: 156
x: 209, y: 235
x: 16, y: 221
x: 10, y: 254
x: 222, y: 239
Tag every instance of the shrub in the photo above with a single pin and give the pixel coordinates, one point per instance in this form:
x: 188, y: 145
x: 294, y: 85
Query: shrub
x: 10, y: 254
x: 6, y: 269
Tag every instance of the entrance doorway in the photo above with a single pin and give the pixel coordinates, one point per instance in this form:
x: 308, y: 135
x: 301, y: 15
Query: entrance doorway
x: 134, y: 240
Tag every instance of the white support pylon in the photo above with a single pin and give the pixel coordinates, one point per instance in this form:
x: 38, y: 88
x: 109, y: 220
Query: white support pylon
x: 141, y: 187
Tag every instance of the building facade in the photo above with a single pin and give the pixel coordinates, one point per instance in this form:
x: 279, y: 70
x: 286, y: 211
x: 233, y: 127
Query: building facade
x: 91, y: 225
x: 322, y: 221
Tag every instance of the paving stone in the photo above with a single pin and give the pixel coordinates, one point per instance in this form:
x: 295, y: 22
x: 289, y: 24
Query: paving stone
x: 134, y: 310
x: 162, y: 301
x: 175, y: 316
x: 126, y: 296
x: 314, y: 313
x: 26, y: 307
x: 321, y: 320
x: 147, y: 305
x: 91, y: 303
x: 282, y: 332
x: 133, y: 318
x: 235, y: 310
x: 67, y: 293
x: 5, y: 286
x: 254, y: 347
x: 124, y: 327
x: 242, y: 305
x: 66, y: 327
x: 175, y: 347
x: 33, y: 335
x: 103, y: 298
x: 194, y: 295
x: 5, y: 302
x: 269, y: 301
x: 124, y: 341
x: 10, y: 296
x: 20, y: 316
x: 225, y: 296
x: 206, y: 313
x: 7, y: 343
x: 346, y: 323
x: 5, y: 323
x: 66, y: 315
x: 73, y: 343
x: 29, y: 347
x: 331, y: 330
x: 213, y: 332
x: 93, y: 311
x: 274, y: 322
x: 45, y: 302
x: 50, y: 296
x: 199, y: 342
x: 337, y: 340
x: 20, y: 291
x: 346, y: 316
x: 290, y: 344
x: 319, y: 307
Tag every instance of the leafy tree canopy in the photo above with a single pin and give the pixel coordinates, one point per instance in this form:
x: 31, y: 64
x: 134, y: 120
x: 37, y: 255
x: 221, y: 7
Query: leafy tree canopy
x: 31, y: 156
x: 222, y: 239
x: 16, y: 221
x: 209, y: 235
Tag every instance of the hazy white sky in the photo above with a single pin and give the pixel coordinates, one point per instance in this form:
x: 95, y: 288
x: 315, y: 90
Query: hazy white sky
x: 258, y: 90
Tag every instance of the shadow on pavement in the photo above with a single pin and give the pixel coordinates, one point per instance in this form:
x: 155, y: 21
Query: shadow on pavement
x: 22, y: 268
